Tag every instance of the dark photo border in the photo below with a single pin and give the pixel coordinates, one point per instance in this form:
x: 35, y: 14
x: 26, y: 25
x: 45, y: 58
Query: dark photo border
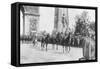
x: 15, y: 33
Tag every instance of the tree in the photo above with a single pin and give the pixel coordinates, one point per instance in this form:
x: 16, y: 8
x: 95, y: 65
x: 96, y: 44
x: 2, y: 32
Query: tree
x: 92, y: 26
x: 82, y: 24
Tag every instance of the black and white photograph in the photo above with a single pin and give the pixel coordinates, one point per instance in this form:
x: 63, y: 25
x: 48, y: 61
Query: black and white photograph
x: 56, y: 34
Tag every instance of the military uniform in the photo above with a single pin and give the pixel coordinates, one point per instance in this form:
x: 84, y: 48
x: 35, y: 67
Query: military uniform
x: 88, y: 48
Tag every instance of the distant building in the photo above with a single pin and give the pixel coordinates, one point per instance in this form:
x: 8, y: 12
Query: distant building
x: 61, y: 20
x: 29, y: 19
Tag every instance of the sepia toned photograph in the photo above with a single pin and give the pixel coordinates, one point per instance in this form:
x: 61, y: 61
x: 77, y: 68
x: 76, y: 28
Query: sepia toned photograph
x: 56, y: 34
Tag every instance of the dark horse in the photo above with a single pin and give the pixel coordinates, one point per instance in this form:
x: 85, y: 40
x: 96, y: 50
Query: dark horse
x: 45, y: 41
x: 34, y: 40
x: 59, y: 39
x: 67, y: 42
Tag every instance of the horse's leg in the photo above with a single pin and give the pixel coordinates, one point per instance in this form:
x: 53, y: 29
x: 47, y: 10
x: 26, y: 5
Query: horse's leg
x: 33, y: 43
x: 68, y: 49
x: 63, y: 49
x: 69, y: 46
x: 41, y: 45
x: 57, y: 47
x: 46, y: 46
x: 53, y: 46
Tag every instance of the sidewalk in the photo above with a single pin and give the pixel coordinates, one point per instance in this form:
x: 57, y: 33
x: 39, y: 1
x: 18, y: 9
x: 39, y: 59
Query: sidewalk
x: 34, y: 54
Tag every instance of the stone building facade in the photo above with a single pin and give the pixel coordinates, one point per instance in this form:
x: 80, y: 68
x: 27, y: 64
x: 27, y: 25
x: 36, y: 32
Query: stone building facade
x: 29, y: 18
x: 61, y: 20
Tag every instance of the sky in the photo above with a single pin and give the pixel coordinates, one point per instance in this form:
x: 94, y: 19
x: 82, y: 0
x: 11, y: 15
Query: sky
x: 73, y: 12
x: 46, y: 20
x: 47, y: 17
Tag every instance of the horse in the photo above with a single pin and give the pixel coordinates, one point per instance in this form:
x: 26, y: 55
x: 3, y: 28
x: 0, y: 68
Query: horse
x: 42, y: 41
x: 34, y: 40
x: 66, y: 42
x: 53, y: 40
x: 57, y: 40
x: 45, y: 41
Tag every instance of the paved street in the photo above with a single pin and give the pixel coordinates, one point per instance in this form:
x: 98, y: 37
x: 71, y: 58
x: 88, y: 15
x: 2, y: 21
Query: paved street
x: 34, y: 54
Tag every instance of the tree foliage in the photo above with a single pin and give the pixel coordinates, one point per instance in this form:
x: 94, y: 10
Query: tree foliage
x: 82, y: 24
